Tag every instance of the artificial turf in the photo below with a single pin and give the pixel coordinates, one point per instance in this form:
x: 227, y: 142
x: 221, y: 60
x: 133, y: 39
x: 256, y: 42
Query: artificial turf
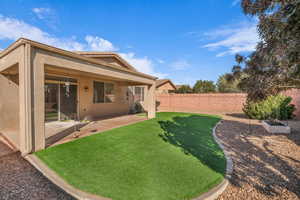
x: 171, y: 157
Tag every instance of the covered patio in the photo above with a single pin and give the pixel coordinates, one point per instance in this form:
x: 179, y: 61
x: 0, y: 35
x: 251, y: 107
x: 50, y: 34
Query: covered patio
x: 54, y: 85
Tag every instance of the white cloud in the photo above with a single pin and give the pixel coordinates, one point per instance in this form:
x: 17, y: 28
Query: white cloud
x: 231, y: 40
x: 235, y: 2
x: 42, y: 13
x: 129, y: 47
x: 180, y: 65
x: 143, y: 64
x: 99, y: 44
x: 13, y: 29
x: 160, y: 61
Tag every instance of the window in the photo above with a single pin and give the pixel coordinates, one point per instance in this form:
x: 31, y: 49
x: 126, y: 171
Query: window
x: 109, y: 92
x: 103, y: 92
x: 98, y: 92
x: 139, y: 93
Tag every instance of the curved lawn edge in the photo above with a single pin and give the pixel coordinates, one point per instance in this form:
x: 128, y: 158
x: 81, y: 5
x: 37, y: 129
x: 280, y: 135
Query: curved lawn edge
x: 217, y: 190
x: 59, y: 181
x: 212, y: 191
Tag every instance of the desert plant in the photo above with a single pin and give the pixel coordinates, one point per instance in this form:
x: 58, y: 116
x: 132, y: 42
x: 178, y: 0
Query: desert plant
x: 136, y: 108
x: 275, y: 107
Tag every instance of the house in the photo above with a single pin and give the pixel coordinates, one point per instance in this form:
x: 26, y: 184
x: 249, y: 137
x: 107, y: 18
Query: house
x: 164, y: 86
x: 41, y: 83
x: 178, y: 86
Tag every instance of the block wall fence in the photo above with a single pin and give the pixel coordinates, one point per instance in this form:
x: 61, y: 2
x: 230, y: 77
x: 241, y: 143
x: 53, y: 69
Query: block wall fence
x: 212, y: 103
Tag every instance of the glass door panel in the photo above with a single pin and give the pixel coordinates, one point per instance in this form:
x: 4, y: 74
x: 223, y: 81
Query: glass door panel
x: 68, y: 102
x: 51, y: 102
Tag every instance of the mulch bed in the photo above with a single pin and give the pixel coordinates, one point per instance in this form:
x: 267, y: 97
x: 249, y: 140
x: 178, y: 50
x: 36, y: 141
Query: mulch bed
x: 20, y: 180
x: 266, y: 166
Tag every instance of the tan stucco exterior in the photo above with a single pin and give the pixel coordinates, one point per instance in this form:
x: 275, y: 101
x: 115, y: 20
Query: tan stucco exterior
x: 164, y: 86
x: 34, y: 61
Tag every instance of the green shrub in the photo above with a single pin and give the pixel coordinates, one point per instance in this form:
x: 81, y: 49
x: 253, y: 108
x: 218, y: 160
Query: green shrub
x: 137, y: 108
x: 273, y: 107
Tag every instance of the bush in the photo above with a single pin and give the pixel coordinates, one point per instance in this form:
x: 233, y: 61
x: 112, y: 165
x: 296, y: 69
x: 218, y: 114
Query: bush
x: 136, y: 108
x: 273, y: 107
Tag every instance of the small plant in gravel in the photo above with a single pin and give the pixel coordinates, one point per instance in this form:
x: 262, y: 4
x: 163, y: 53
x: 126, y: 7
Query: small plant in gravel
x: 275, y: 107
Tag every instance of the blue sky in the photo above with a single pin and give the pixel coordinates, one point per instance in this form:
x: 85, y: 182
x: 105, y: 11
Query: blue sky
x: 181, y: 40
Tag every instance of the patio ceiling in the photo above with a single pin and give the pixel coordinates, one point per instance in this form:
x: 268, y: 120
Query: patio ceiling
x: 59, y: 71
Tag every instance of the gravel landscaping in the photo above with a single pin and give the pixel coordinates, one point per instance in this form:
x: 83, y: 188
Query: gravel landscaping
x: 20, y: 180
x: 266, y: 166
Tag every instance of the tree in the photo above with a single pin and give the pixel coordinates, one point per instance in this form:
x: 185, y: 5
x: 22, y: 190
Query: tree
x: 279, y: 30
x: 204, y: 86
x: 225, y: 85
x: 184, y: 89
x: 275, y: 64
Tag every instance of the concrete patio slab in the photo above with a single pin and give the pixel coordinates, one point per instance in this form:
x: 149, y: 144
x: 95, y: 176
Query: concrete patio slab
x: 100, y: 125
x: 53, y: 128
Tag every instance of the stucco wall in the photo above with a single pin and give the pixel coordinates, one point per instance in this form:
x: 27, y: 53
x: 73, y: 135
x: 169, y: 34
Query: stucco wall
x: 214, y: 103
x: 164, y: 89
x: 88, y: 109
x: 9, y: 110
x: 200, y: 102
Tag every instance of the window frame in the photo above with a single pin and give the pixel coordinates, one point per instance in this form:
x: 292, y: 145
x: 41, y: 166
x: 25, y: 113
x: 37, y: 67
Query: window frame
x: 142, y: 93
x: 104, y: 92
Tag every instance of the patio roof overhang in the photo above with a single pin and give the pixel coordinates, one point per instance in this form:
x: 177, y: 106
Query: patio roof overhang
x: 70, y: 61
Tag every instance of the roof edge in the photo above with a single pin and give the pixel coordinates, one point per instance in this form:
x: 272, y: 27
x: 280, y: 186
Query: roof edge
x: 46, y: 47
x: 166, y: 81
x: 107, y: 54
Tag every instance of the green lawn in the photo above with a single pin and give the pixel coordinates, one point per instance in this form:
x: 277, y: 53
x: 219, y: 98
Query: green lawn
x: 172, y: 157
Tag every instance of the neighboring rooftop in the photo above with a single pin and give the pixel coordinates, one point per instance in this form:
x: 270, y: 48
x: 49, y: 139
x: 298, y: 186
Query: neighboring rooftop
x: 160, y: 82
x: 178, y: 86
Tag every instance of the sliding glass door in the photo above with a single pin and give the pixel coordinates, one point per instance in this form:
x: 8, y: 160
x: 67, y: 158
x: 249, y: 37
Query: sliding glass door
x: 68, y: 102
x: 60, y: 99
x: 51, y: 102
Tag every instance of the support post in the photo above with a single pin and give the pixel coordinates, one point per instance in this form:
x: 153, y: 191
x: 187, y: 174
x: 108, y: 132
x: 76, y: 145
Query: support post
x: 39, y: 100
x: 151, y: 101
x: 25, y: 113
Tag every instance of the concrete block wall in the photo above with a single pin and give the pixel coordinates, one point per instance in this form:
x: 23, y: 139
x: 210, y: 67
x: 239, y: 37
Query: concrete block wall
x: 212, y: 103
